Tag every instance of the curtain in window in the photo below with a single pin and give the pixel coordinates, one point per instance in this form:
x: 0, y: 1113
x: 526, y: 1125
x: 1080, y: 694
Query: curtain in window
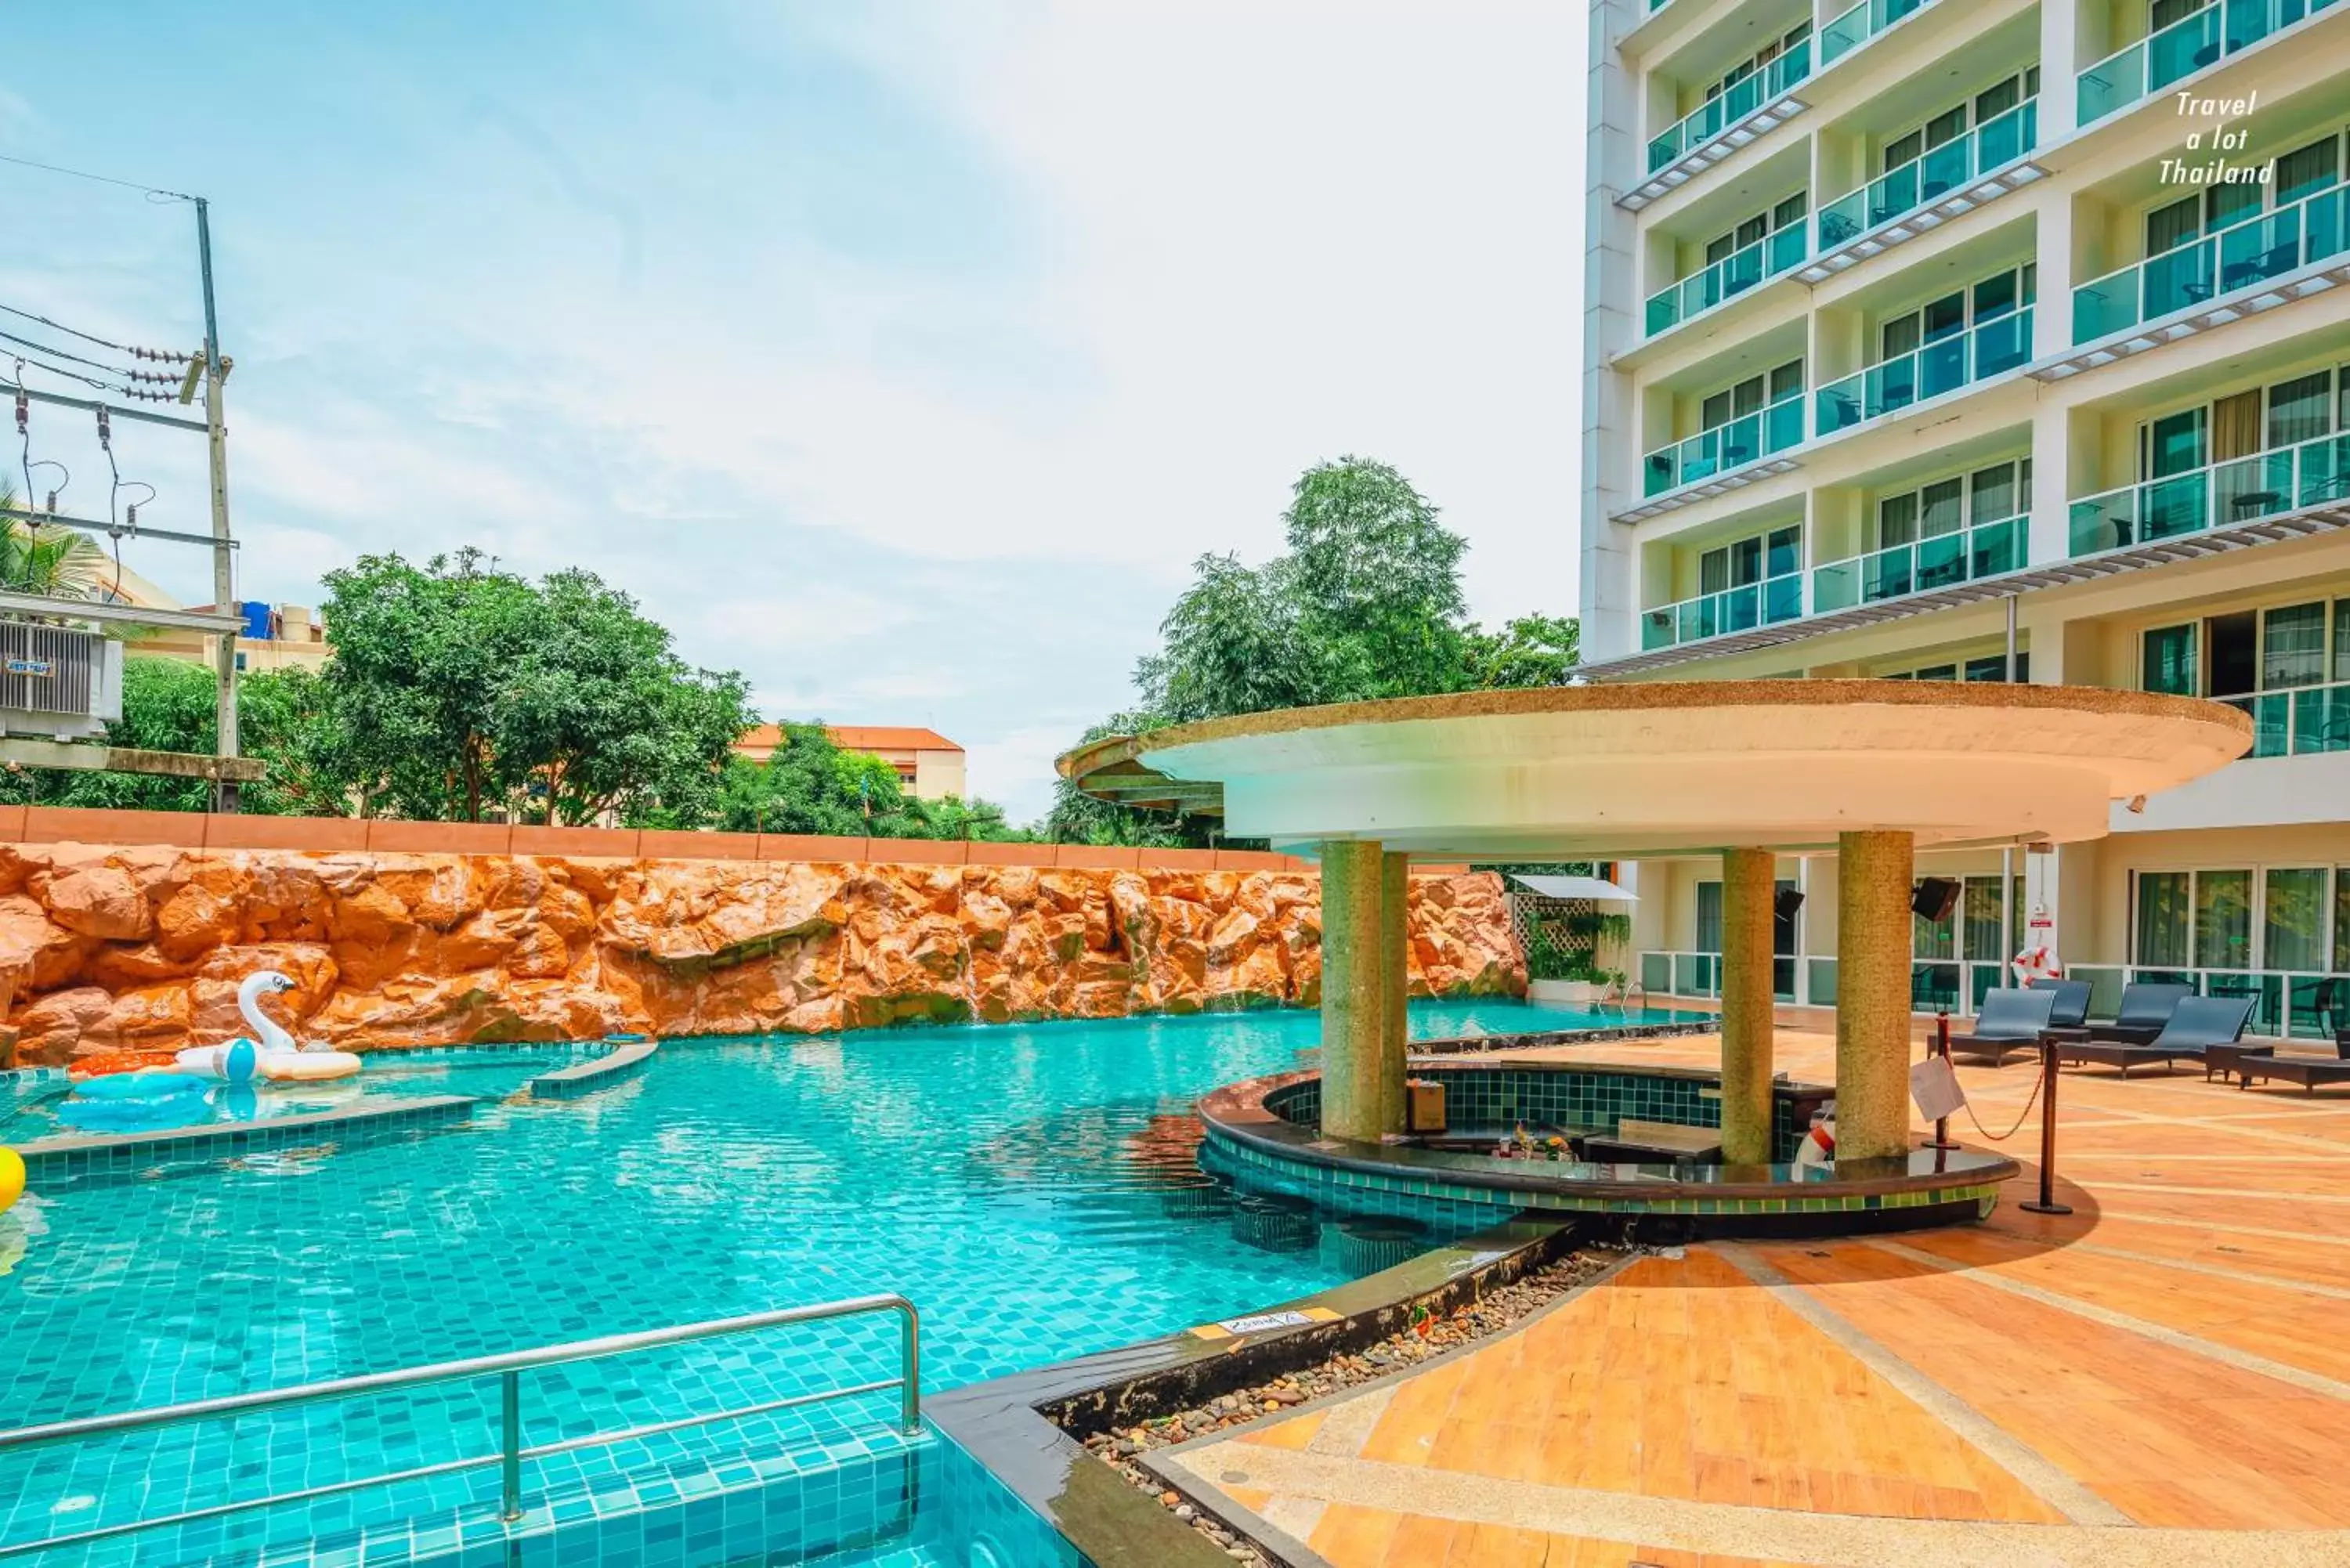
x: 2294, y: 920
x: 2307, y: 169
x: 2167, y: 662
x: 2168, y: 228
x: 2223, y: 919
x: 2162, y: 919
x: 2236, y: 426
x: 2342, y: 920
x: 1709, y: 916
x: 1992, y: 494
x: 2299, y: 408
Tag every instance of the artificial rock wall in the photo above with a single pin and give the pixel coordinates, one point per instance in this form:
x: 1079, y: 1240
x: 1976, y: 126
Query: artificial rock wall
x: 108, y: 950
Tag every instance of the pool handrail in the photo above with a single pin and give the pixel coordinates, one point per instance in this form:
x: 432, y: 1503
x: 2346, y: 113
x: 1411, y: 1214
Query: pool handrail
x: 508, y: 1367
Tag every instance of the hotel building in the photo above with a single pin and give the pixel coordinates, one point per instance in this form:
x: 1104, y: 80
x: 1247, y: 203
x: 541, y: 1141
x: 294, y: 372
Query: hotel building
x: 1979, y: 340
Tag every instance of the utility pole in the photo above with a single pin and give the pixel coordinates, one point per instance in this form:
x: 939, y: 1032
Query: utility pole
x: 224, y: 577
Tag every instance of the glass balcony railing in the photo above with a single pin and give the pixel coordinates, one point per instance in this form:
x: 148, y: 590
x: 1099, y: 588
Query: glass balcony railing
x: 1995, y: 143
x: 1725, y: 447
x: 2296, y: 1004
x: 2179, y: 50
x: 2299, y: 720
x: 1732, y: 275
x: 2240, y: 490
x: 1860, y: 24
x: 1730, y: 106
x: 2241, y: 257
x: 1983, y: 351
x: 1742, y: 609
x: 1985, y: 550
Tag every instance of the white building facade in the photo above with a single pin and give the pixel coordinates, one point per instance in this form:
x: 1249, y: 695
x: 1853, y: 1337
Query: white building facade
x: 1982, y: 339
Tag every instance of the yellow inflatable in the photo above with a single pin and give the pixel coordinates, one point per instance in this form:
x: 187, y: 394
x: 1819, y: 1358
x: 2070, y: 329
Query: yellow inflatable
x: 12, y: 1177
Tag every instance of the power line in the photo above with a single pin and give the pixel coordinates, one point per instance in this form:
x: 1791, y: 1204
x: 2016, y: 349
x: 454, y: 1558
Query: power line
x: 101, y: 179
x: 163, y: 356
x: 66, y: 354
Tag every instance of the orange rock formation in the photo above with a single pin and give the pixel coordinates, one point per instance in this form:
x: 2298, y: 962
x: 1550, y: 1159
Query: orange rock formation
x: 142, y: 949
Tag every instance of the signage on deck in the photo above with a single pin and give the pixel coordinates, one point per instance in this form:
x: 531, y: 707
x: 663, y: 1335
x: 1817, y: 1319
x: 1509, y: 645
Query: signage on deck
x: 1234, y: 1327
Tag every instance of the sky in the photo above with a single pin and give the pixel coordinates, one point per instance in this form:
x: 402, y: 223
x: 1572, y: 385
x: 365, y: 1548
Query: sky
x: 900, y: 355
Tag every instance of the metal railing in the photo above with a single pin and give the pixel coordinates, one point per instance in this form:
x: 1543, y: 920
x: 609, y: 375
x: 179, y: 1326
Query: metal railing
x: 1854, y: 28
x: 1742, y: 608
x: 1727, y: 447
x: 2298, y: 720
x: 2240, y: 490
x: 1730, y: 106
x: 1995, y: 143
x: 1985, y: 550
x: 2297, y: 1004
x: 2228, y: 261
x: 508, y: 1368
x: 1935, y: 983
x: 1733, y: 274
x: 2181, y: 49
x: 1992, y: 348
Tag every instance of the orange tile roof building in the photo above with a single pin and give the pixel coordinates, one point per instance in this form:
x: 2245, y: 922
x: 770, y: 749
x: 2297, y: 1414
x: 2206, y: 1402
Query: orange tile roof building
x: 930, y: 765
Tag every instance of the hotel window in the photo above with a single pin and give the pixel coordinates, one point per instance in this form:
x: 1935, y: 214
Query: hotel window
x: 2001, y: 294
x: 1751, y: 396
x: 1786, y: 214
x: 1945, y: 505
x: 1985, y: 667
x: 1763, y: 58
x: 2244, y: 424
x: 1709, y: 916
x: 2303, y: 172
x: 2242, y: 652
x: 2293, y: 918
x: 1744, y: 561
x: 1959, y: 118
x: 2205, y: 920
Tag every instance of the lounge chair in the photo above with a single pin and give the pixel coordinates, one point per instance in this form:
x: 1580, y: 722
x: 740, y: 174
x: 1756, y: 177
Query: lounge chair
x: 2072, y: 1002
x: 2009, y: 1020
x: 2144, y: 1013
x: 2309, y: 1071
x: 2197, y: 1024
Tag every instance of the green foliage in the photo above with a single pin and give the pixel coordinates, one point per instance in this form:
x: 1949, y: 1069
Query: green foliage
x: 169, y: 705
x: 1365, y: 603
x: 59, y: 561
x: 812, y: 785
x: 464, y: 691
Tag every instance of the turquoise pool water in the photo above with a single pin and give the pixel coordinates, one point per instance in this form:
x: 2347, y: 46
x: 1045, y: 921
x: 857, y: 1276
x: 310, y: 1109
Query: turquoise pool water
x: 1033, y: 1188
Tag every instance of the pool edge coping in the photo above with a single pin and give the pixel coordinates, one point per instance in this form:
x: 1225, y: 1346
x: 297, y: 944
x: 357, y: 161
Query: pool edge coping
x: 1004, y: 1424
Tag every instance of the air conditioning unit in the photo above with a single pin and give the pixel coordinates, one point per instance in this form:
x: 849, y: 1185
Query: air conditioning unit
x: 58, y: 682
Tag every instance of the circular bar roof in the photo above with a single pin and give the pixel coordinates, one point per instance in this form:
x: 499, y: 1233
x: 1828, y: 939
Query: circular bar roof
x: 1582, y: 772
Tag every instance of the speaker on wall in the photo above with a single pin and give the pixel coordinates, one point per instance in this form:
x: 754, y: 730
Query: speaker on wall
x: 1785, y: 902
x: 1934, y: 899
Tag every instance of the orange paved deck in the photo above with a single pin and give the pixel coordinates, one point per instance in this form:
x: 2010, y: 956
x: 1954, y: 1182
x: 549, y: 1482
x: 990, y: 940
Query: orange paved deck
x: 2164, y: 1376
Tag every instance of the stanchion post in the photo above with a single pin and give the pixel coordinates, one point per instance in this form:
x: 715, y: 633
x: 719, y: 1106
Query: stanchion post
x: 2048, y: 1203
x: 1942, y: 1047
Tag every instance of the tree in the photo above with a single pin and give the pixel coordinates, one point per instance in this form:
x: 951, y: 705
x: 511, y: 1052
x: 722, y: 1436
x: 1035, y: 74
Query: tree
x: 463, y: 691
x: 1365, y: 603
x: 58, y: 562
x: 811, y: 785
x: 1531, y: 651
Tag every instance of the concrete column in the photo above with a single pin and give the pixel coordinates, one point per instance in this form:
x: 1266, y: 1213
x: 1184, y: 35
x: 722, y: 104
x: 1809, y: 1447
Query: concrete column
x: 1747, y: 887
x: 1873, y: 872
x: 1395, y: 986
x: 1356, y: 1096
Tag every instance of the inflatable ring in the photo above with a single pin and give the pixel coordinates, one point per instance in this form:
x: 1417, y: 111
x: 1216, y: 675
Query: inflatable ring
x: 12, y: 1177
x: 135, y: 1102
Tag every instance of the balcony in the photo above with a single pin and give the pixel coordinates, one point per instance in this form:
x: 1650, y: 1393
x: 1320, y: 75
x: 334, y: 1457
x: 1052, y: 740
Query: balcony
x: 2231, y: 262
x: 1732, y: 275
x: 1925, y: 373
x: 1725, y: 448
x: 2240, y: 490
x: 1730, y: 108
x: 2181, y: 49
x: 1861, y: 22
x: 2299, y: 721
x: 1742, y: 609
x: 1946, y: 182
x: 1985, y: 550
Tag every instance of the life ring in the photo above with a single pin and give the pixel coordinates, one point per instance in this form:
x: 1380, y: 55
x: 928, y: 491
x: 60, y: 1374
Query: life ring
x: 1817, y: 1151
x: 2037, y: 961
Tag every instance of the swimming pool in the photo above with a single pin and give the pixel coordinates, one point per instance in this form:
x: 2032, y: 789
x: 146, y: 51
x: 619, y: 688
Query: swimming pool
x: 1032, y: 1188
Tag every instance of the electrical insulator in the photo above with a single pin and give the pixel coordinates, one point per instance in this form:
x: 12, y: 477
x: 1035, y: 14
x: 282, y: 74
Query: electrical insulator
x: 52, y: 507
x: 24, y: 411
x: 131, y: 516
x: 105, y: 431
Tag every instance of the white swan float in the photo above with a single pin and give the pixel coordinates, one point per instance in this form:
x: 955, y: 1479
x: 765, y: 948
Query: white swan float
x: 271, y: 1053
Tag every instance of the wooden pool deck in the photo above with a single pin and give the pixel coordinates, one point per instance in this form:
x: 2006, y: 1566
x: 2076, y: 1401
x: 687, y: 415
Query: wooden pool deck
x: 2162, y: 1378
